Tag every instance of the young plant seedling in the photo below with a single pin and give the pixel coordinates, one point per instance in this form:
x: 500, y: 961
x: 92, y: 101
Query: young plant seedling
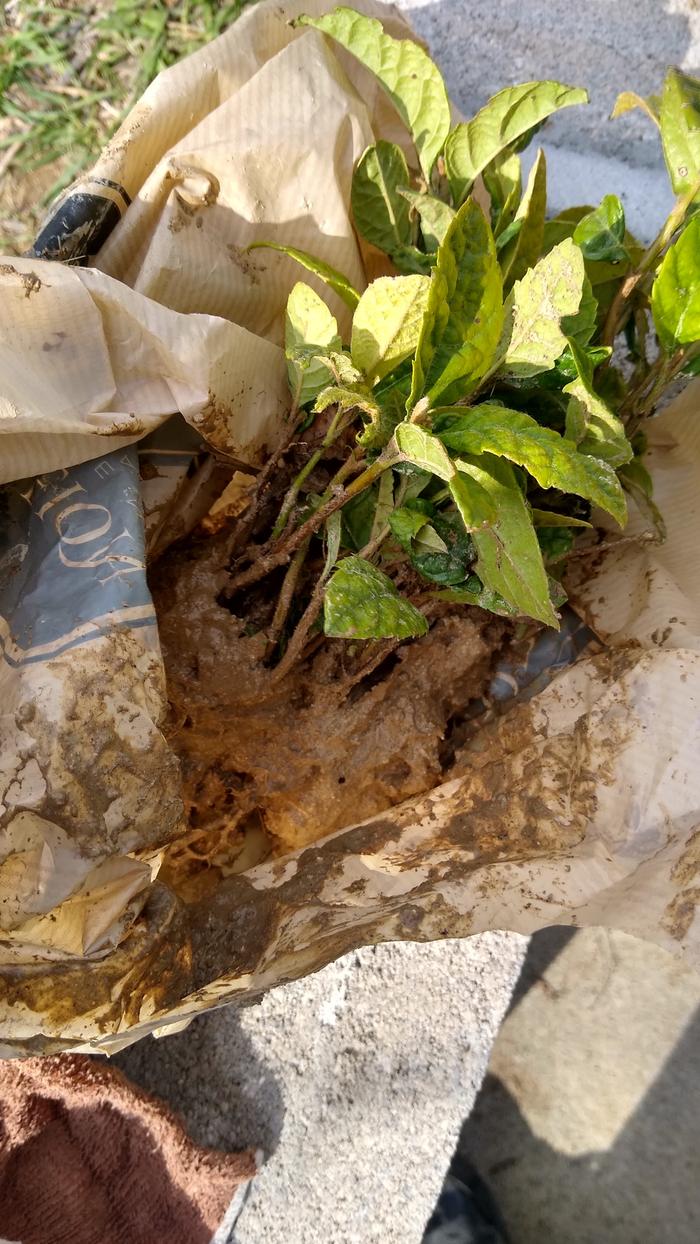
x: 492, y: 396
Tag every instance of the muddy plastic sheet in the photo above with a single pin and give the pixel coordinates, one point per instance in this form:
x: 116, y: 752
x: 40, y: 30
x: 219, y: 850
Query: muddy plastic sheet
x: 577, y: 799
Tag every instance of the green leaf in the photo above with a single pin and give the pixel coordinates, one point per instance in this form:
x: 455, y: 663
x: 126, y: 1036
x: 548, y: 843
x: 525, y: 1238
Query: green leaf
x: 407, y: 74
x: 385, y: 503
x: 551, y: 459
x: 362, y: 603
x: 424, y: 450
x: 333, y: 533
x: 503, y: 180
x: 637, y: 481
x: 526, y: 247
x: 509, y: 234
x: 590, y: 424
x: 601, y: 233
x: 450, y: 563
x: 408, y: 259
x: 474, y: 593
x: 347, y: 399
x: 464, y: 313
x: 500, y: 123
x: 405, y: 523
x: 509, y: 557
x: 566, y: 369
x: 387, y: 322
x: 680, y: 129
x: 438, y: 545
x: 358, y: 518
x: 555, y: 542
x: 549, y: 518
x: 532, y: 337
x: 581, y: 326
x: 337, y: 282
x: 474, y: 503
x: 381, y: 215
x: 310, y: 329
x: 675, y: 295
x: 627, y: 100
x: 435, y: 216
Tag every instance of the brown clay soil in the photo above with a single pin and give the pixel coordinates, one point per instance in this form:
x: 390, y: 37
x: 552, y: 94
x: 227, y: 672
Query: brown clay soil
x: 269, y: 766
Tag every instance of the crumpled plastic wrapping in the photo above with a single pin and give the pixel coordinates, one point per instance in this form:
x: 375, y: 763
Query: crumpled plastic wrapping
x: 577, y: 802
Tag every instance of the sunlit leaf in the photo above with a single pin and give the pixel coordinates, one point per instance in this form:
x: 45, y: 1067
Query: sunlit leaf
x: 590, y: 423
x: 424, y: 450
x: 526, y: 247
x: 551, y: 459
x: 310, y: 329
x: 337, y: 282
x: 675, y: 295
x: 680, y: 129
x: 532, y: 337
x: 500, y: 123
x: 435, y: 216
x: 408, y: 75
x: 387, y: 323
x: 463, y: 316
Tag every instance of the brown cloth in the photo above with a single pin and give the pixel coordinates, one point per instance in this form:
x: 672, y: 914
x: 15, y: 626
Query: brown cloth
x: 86, y: 1157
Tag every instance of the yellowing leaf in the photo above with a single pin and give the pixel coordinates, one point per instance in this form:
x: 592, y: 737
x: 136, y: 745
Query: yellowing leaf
x: 310, y: 329
x: 627, y: 100
x: 362, y: 603
x: 526, y: 247
x: 464, y: 312
x: 472, y: 500
x: 387, y: 323
x: 532, y: 337
x: 503, y: 180
x: 347, y: 399
x: 407, y: 74
x: 500, y: 123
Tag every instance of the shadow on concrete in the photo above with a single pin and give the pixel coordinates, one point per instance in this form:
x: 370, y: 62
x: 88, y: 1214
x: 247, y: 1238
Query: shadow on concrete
x: 645, y: 1189
x: 544, y: 947
x: 212, y: 1076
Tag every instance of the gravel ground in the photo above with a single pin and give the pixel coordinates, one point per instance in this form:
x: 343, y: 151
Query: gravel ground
x: 354, y: 1082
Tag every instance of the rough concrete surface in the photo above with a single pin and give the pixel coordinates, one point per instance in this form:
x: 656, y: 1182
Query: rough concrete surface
x: 587, y: 1127
x: 354, y: 1081
x: 605, y: 45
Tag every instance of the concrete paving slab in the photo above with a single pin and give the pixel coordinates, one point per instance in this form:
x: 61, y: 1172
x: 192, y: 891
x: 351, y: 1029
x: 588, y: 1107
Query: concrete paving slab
x: 587, y: 1128
x: 354, y: 1082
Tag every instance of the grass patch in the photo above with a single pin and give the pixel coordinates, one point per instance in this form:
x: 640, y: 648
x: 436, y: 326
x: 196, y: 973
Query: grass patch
x: 68, y: 75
